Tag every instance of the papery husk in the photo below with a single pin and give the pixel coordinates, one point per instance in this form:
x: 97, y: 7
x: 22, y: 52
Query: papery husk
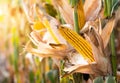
x: 92, y: 9
x: 53, y: 26
x: 103, y: 66
x: 88, y: 30
x: 77, y: 64
x: 28, y: 8
x: 65, y: 9
x: 107, y: 30
x: 78, y: 68
x: 45, y: 48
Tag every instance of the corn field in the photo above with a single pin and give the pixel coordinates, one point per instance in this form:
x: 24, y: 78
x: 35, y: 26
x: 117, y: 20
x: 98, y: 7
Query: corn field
x: 59, y: 41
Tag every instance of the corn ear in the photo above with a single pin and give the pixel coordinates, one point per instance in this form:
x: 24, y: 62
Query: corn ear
x: 80, y: 44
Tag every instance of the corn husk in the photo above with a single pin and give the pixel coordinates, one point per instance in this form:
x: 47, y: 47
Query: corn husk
x: 65, y: 9
x: 92, y: 9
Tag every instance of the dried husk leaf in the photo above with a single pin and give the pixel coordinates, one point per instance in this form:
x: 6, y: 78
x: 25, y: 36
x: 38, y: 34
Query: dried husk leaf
x: 44, y: 49
x: 92, y: 9
x: 77, y: 64
x: 79, y: 68
x: 107, y: 30
x: 103, y: 65
x: 65, y: 9
x: 53, y: 25
x: 47, y: 25
x: 47, y: 52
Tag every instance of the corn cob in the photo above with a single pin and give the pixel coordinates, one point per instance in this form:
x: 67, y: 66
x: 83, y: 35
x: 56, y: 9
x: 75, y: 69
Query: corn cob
x: 80, y: 44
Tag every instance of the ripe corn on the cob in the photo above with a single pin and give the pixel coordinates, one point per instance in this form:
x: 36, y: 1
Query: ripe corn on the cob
x: 79, y: 43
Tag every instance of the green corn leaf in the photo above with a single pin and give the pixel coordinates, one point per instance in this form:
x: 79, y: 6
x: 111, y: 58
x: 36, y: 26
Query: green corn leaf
x: 50, y: 9
x: 113, y: 57
x: 48, y: 1
x: 76, y: 24
x: 31, y: 77
x: 110, y: 6
x: 15, y: 40
x: 53, y: 76
x: 98, y: 80
x: 110, y: 79
x: 73, y: 2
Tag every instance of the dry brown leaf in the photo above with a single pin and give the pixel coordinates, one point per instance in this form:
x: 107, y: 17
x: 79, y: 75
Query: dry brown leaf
x: 44, y: 48
x: 92, y: 9
x: 107, y: 30
x: 45, y: 53
x: 80, y: 68
x: 54, y: 24
x: 65, y: 9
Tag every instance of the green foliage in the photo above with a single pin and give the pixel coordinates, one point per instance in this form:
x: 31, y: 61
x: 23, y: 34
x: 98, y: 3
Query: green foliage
x: 76, y: 24
x: 48, y: 1
x: 31, y: 77
x: 15, y: 41
x: 53, y: 76
x: 109, y: 6
x: 113, y: 58
x: 73, y: 2
x: 50, y: 9
x: 108, y: 79
x: 98, y: 80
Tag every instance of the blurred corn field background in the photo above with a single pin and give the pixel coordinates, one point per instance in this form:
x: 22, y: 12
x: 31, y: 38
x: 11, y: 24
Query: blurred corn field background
x: 53, y: 41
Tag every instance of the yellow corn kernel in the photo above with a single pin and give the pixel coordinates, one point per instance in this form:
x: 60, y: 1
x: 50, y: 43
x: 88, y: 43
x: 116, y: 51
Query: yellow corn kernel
x: 80, y: 44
